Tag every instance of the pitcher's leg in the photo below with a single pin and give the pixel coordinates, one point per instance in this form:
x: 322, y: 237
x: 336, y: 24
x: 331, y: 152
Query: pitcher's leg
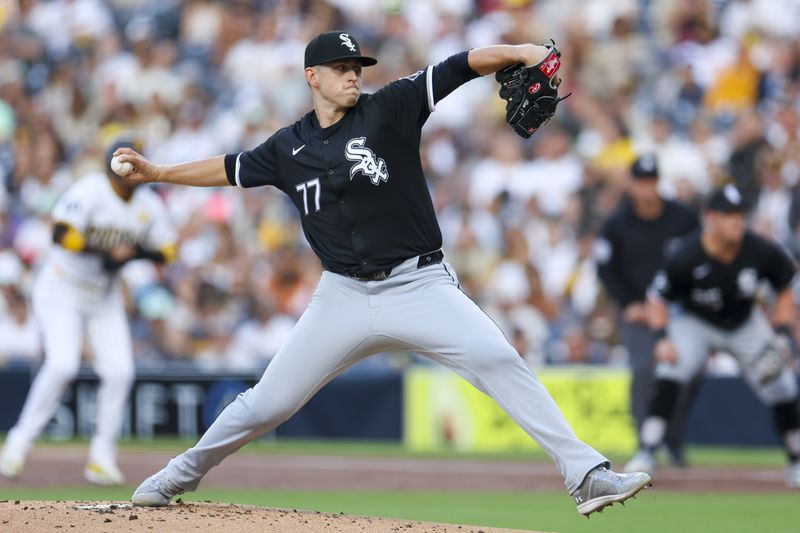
x: 110, y: 341
x: 444, y: 324
x: 501, y: 373
x: 331, y: 335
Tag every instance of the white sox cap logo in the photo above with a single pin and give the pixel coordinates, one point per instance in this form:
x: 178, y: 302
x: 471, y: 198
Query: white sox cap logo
x: 345, y: 37
x: 370, y: 166
x: 648, y: 163
x: 732, y: 194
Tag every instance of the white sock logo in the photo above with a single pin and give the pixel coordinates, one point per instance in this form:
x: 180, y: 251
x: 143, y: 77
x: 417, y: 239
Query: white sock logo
x: 370, y: 166
x: 345, y: 37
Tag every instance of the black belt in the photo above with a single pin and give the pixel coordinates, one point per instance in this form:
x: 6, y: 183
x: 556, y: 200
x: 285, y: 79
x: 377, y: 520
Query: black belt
x: 424, y: 260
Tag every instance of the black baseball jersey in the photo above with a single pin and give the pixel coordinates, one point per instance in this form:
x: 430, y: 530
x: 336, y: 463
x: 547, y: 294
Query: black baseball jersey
x: 718, y: 293
x: 359, y: 184
x: 630, y: 250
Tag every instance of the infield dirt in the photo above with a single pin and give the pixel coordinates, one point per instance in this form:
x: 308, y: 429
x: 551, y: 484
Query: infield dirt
x: 95, y: 517
x: 63, y: 467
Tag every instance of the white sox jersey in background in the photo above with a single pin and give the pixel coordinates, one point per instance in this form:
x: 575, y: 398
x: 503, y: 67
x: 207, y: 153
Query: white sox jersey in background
x: 366, y: 211
x: 717, y: 311
x: 723, y: 295
x: 629, y: 252
x: 75, y: 295
x: 358, y: 184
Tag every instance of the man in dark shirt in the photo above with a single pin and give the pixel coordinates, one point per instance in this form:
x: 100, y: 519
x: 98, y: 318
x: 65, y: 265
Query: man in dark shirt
x: 714, y: 279
x: 352, y: 168
x: 630, y: 249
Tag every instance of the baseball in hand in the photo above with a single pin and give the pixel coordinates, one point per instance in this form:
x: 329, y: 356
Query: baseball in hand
x: 121, y: 168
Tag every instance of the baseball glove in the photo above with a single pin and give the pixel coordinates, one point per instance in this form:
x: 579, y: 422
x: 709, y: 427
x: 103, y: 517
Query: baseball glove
x: 531, y: 92
x: 769, y: 364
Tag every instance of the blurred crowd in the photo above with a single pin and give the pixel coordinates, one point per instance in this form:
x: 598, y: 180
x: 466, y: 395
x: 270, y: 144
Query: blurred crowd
x: 711, y: 87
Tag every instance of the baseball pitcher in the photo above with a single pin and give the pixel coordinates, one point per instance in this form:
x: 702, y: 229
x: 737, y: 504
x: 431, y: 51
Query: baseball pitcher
x: 352, y: 169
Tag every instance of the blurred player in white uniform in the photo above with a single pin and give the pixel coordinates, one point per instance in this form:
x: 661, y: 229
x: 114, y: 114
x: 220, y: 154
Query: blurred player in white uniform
x: 100, y: 223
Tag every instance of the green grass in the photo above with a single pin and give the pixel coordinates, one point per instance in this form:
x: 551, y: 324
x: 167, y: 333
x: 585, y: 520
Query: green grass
x: 756, y: 457
x: 697, y: 455
x: 652, y: 512
x: 706, y: 455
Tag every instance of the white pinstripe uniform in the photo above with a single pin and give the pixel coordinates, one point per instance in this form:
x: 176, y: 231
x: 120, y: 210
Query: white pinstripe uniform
x: 74, y: 294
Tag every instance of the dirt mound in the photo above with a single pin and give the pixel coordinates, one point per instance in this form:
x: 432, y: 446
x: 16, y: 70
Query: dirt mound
x: 91, y: 517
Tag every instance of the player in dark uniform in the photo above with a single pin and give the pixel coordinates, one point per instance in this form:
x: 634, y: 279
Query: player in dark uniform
x: 714, y: 279
x: 352, y: 168
x: 630, y: 249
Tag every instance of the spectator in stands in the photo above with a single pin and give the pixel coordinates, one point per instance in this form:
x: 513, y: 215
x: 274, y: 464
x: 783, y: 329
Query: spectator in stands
x: 20, y: 340
x: 256, y: 341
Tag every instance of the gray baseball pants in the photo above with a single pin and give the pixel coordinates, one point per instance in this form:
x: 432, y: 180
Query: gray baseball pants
x: 695, y: 338
x: 639, y: 340
x: 416, y: 309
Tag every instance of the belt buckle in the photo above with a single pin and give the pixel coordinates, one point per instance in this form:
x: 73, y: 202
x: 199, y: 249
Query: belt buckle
x: 375, y: 276
x: 431, y: 258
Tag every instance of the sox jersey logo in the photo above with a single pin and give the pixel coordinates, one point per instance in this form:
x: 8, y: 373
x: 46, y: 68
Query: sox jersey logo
x: 747, y: 282
x: 366, y: 162
x: 708, y: 298
x: 345, y: 37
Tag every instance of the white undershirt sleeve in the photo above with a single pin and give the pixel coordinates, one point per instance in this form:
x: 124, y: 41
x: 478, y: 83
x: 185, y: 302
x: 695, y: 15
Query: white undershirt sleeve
x: 429, y: 86
x: 236, y: 175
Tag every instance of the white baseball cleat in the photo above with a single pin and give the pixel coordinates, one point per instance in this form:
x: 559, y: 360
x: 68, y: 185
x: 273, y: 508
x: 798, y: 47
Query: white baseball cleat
x: 10, y: 467
x: 156, y: 491
x: 643, y: 461
x: 603, y: 487
x: 793, y: 476
x: 11, y: 462
x: 103, y: 473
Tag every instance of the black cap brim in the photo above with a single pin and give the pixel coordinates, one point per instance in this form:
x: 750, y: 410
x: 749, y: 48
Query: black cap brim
x: 641, y: 177
x: 723, y: 208
x: 366, y: 61
x: 727, y: 199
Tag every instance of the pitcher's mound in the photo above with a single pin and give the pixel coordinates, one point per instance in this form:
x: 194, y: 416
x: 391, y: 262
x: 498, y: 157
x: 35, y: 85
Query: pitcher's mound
x: 19, y: 516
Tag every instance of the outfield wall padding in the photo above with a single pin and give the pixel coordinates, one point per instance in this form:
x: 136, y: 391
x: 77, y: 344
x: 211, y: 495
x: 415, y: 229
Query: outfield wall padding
x: 428, y: 407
